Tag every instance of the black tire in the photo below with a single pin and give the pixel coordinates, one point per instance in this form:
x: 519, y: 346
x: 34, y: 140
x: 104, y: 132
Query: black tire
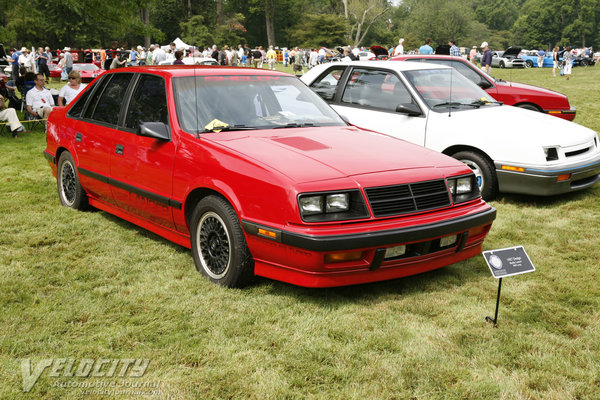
x: 218, y: 244
x: 501, y: 65
x: 528, y: 63
x: 70, y: 192
x: 483, y: 170
x: 584, y: 63
x: 529, y: 107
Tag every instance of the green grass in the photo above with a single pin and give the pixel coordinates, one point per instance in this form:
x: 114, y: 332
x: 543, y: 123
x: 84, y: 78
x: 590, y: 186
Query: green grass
x: 88, y: 285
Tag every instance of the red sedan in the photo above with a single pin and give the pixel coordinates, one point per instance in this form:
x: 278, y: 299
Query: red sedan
x: 510, y: 93
x: 259, y: 176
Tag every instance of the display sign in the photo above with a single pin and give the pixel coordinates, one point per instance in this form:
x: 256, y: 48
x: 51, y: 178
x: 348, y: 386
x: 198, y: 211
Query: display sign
x: 508, y: 262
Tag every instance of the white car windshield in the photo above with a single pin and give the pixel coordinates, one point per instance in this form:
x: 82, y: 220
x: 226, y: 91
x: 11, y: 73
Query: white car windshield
x: 207, y: 103
x: 445, y: 88
x: 85, y: 67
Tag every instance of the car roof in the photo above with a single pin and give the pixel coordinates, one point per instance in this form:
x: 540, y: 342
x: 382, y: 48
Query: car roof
x: 398, y: 66
x: 199, y: 70
x: 428, y: 56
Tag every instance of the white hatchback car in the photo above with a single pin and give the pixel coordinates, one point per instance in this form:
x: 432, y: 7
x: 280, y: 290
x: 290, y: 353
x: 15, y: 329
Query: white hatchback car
x: 437, y: 107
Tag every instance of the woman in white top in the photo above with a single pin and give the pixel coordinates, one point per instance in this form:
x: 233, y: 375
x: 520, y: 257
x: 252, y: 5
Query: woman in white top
x: 71, y: 89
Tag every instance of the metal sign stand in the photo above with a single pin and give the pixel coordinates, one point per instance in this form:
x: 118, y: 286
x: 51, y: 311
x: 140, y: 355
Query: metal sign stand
x: 495, y: 319
x: 504, y: 263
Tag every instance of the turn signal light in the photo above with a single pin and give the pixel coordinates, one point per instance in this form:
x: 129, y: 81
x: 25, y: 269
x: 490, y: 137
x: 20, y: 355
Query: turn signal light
x: 563, y: 177
x: 341, y: 257
x: 511, y: 168
x: 267, y: 233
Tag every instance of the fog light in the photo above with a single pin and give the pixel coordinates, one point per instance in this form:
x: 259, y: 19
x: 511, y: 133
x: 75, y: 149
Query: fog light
x: 341, y: 257
x: 396, y: 251
x: 448, y: 240
x: 563, y: 177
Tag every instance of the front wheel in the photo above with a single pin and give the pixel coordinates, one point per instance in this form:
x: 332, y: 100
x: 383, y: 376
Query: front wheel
x: 501, y: 65
x: 483, y: 170
x: 70, y: 192
x: 528, y: 63
x: 218, y: 244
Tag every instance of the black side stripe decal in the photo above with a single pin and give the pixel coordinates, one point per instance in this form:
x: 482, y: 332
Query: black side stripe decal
x: 140, y: 192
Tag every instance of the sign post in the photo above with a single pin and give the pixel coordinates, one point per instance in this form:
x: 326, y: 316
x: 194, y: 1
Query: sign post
x: 503, y: 263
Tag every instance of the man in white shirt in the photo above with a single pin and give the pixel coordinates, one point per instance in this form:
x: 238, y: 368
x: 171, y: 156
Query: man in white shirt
x: 400, y: 48
x: 158, y: 55
x: 39, y: 100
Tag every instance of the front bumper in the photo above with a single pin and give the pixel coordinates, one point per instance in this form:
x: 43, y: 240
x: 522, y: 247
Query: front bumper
x: 569, y: 114
x: 543, y: 181
x: 301, y: 259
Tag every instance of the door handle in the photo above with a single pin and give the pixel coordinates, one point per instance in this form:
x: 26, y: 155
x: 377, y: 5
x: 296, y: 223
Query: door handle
x: 119, y: 149
x: 78, y: 137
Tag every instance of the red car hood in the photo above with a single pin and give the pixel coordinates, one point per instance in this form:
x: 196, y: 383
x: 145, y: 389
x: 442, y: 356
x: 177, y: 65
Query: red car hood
x: 315, y: 154
x: 541, y: 91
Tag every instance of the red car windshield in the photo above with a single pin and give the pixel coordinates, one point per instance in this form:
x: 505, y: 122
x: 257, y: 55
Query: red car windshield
x: 206, y: 103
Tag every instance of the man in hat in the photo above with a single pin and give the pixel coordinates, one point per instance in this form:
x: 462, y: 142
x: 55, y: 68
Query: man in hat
x: 486, y: 59
x: 25, y: 59
x: 68, y: 60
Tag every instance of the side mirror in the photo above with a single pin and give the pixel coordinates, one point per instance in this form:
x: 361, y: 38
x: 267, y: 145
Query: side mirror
x: 412, y: 110
x: 484, y: 84
x: 156, y: 130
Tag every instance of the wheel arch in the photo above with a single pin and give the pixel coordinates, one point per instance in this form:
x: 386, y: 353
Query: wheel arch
x: 199, y: 193
x: 528, y: 103
x: 462, y: 147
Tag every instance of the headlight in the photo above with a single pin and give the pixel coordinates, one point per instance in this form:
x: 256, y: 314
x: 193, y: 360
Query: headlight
x: 332, y: 206
x: 463, y: 188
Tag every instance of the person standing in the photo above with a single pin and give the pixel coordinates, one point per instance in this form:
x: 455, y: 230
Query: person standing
x: 117, y: 62
x: 454, y: 50
x: 68, y: 60
x: 426, y: 48
x: 71, y: 89
x: 567, y: 60
x: 541, y: 54
x: 41, y: 60
x: 14, y: 63
x: 400, y: 48
x: 473, y: 55
x: 178, y: 58
x: 271, y: 58
x: 554, y: 60
x: 486, y: 59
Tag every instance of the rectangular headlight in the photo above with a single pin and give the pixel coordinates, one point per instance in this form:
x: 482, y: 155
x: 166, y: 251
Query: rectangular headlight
x: 464, y: 185
x: 310, y: 205
x: 337, y: 202
x: 463, y: 188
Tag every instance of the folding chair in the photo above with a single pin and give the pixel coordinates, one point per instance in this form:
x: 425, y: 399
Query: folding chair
x: 28, y: 85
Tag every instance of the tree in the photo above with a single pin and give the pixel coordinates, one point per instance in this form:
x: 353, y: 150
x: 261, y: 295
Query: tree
x: 319, y: 30
x: 361, y: 14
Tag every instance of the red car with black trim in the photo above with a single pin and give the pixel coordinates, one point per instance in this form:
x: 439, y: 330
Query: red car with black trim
x: 259, y: 176
x: 510, y: 93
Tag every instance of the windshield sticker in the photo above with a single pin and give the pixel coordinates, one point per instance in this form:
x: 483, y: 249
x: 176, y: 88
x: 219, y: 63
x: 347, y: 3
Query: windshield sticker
x: 215, y: 125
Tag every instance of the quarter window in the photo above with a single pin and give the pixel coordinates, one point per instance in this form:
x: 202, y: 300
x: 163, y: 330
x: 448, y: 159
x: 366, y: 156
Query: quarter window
x: 148, y: 103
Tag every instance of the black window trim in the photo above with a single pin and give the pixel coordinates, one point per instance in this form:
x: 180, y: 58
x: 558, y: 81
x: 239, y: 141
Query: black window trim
x: 127, y: 102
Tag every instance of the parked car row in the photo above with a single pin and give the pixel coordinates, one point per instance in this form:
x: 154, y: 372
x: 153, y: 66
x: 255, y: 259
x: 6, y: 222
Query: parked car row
x: 258, y: 175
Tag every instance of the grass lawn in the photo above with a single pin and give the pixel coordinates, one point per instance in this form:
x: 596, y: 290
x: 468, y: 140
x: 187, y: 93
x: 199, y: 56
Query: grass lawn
x: 86, y: 285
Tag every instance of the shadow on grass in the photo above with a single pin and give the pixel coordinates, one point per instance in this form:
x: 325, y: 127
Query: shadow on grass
x: 442, y: 279
x: 545, y: 201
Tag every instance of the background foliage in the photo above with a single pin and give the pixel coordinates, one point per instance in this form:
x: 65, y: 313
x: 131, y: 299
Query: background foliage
x: 285, y: 23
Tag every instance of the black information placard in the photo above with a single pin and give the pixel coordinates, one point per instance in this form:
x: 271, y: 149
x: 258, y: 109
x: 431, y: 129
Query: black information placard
x: 508, y: 262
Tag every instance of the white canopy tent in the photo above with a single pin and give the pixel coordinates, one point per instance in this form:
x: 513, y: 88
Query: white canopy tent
x: 179, y: 44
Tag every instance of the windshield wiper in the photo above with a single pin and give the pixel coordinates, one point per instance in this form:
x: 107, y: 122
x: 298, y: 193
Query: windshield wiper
x: 485, y: 102
x: 453, y: 104
x: 230, y: 128
x: 295, y: 125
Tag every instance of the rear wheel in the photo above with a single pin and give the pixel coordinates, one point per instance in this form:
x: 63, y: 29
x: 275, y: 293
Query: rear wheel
x: 70, y: 192
x: 483, y: 170
x: 218, y: 244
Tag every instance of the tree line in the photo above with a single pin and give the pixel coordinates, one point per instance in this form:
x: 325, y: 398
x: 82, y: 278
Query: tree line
x: 530, y: 24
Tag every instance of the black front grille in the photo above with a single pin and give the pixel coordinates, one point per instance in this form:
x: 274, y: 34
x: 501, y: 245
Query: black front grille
x: 576, y: 152
x: 404, y: 199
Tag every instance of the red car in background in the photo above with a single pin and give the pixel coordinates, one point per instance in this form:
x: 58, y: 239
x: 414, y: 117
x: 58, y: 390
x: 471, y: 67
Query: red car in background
x: 510, y: 93
x: 88, y: 71
x: 259, y: 176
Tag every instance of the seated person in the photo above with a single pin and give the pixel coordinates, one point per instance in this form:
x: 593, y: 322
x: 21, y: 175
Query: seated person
x: 10, y: 115
x: 39, y: 100
x: 70, y: 90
